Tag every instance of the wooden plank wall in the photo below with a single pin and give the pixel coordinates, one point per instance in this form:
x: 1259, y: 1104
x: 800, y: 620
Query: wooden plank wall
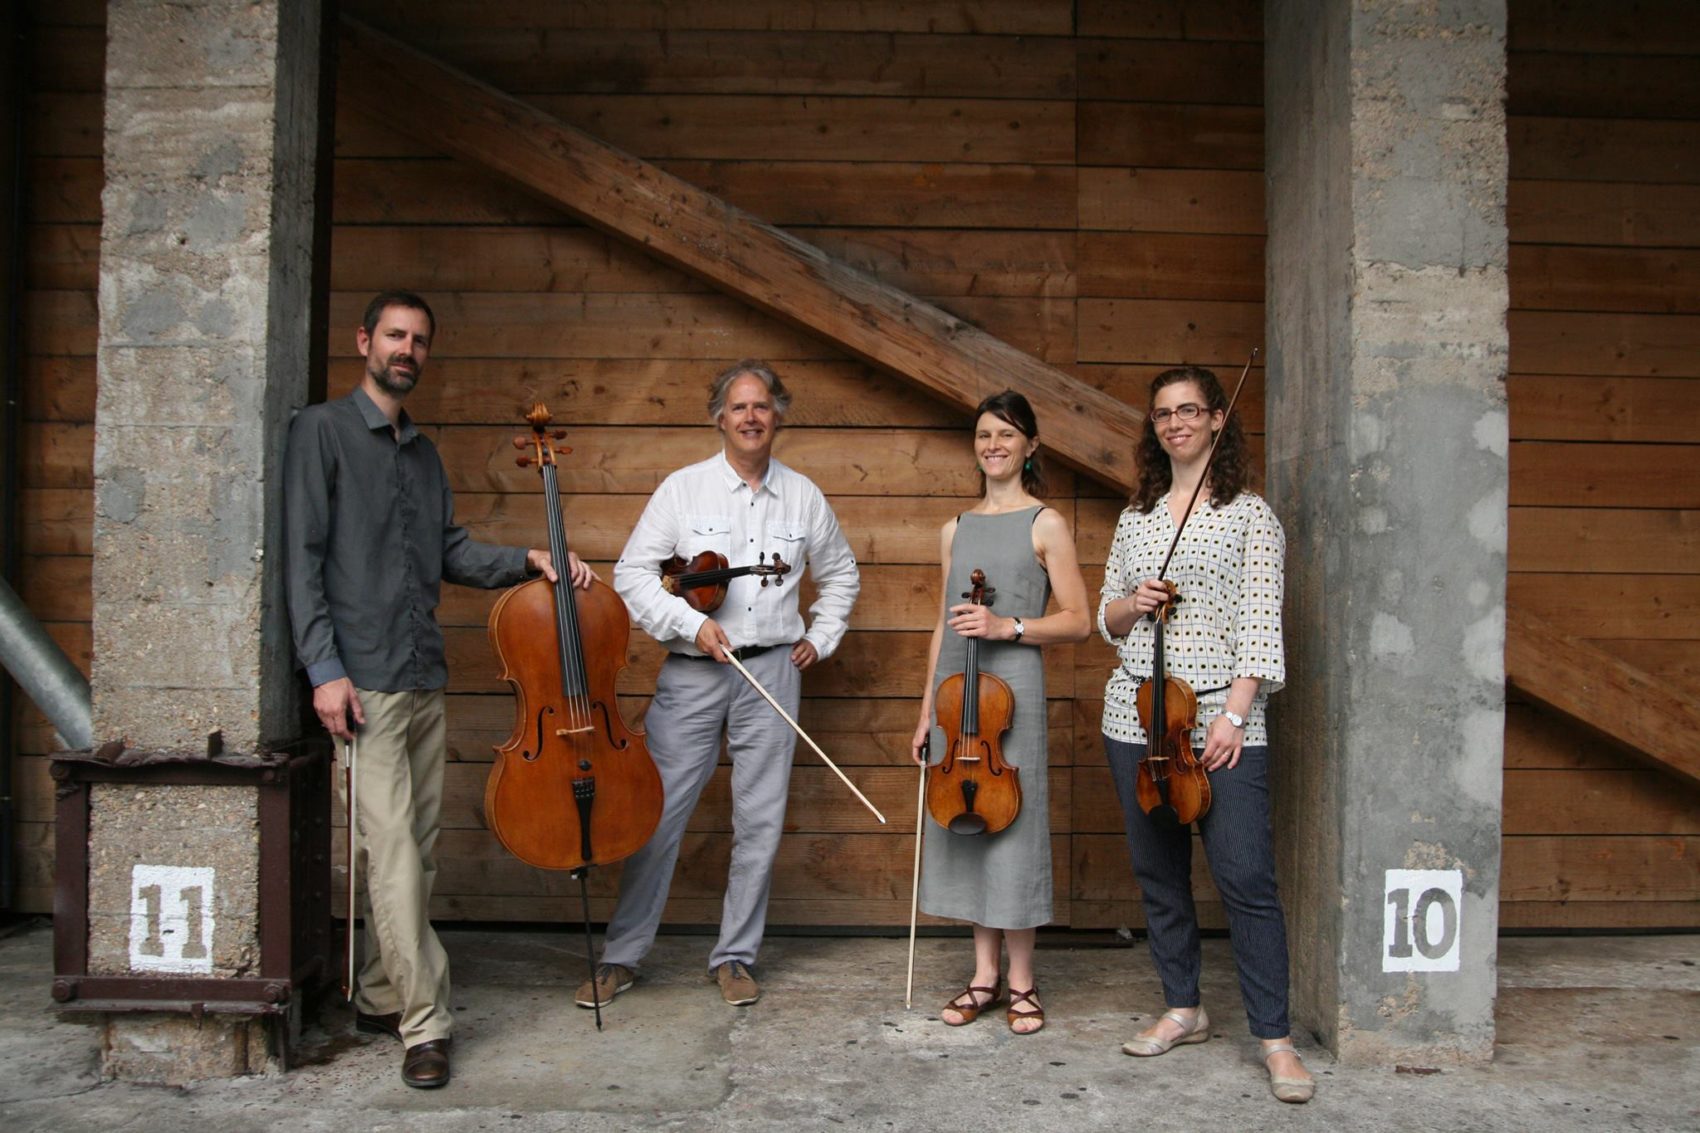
x: 1082, y: 179
x: 1604, y: 217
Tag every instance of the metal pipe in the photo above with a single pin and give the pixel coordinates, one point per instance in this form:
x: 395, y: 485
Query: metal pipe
x: 43, y: 671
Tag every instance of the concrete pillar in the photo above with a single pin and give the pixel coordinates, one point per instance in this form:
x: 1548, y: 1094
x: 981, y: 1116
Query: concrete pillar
x: 1387, y: 450
x: 206, y: 269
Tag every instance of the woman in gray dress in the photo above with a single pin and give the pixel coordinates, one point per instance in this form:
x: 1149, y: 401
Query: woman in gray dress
x: 1001, y: 883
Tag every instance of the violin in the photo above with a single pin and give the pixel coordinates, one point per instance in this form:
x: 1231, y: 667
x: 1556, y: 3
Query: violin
x: 573, y: 786
x: 973, y: 791
x: 702, y: 581
x: 1171, y: 781
x: 1172, y: 784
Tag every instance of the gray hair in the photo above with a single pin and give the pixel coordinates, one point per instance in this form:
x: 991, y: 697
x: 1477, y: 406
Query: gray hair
x: 755, y: 369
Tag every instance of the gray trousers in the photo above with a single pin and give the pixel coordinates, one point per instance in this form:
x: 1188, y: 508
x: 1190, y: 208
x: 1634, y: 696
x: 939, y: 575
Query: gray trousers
x: 695, y: 700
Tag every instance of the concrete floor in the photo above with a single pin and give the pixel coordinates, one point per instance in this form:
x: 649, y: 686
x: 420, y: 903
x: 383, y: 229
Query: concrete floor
x: 1595, y: 1033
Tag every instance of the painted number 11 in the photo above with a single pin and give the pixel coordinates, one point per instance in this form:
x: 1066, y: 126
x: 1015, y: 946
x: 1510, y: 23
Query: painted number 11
x: 171, y: 919
x: 194, y: 942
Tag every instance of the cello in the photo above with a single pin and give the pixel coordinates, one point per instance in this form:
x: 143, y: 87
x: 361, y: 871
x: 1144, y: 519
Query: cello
x: 573, y: 786
x: 1171, y: 783
x: 972, y: 790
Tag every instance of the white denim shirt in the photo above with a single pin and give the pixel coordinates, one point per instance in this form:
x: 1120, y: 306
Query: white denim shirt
x: 1230, y: 573
x: 708, y: 507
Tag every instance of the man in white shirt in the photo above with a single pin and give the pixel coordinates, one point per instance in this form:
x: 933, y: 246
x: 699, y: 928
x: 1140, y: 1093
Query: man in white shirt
x: 746, y: 506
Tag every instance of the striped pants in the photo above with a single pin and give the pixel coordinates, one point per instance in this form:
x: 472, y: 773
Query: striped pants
x: 1240, y: 849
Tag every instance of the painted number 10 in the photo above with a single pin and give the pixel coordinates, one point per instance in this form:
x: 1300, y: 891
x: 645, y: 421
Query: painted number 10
x: 1422, y: 920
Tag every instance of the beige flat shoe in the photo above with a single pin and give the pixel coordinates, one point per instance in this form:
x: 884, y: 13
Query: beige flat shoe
x: 1294, y: 1090
x: 1198, y: 1032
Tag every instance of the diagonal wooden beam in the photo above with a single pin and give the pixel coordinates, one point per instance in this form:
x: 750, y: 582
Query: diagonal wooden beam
x: 1605, y: 693
x: 732, y: 250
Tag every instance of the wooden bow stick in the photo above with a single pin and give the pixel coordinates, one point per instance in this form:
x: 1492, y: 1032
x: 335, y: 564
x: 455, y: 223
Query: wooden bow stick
x: 915, y: 882
x: 786, y: 716
x: 350, y: 753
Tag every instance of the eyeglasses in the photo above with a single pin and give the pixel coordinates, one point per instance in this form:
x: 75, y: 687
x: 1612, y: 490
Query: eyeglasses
x: 1185, y: 412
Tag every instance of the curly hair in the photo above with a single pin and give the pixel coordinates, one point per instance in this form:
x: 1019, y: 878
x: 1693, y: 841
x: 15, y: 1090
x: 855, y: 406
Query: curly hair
x: 1012, y: 409
x: 1228, y: 471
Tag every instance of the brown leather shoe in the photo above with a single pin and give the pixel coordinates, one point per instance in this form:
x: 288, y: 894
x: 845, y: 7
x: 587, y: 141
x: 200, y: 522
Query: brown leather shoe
x: 426, y: 1065
x: 611, y: 980
x: 379, y: 1024
x: 737, y: 986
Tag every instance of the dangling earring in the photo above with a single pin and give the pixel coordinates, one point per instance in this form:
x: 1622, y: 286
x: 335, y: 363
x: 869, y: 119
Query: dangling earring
x: 1028, y: 467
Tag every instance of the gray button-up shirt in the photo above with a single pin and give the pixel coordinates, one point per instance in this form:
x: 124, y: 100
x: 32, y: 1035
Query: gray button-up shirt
x: 370, y: 535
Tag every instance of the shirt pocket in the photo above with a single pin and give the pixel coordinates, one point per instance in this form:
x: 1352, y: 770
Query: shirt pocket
x: 785, y: 538
x: 709, y: 533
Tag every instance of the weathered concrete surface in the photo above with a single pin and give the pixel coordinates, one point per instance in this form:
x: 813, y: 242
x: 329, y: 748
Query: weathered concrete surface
x: 215, y: 828
x: 158, y: 1049
x: 1594, y: 1034
x: 211, y: 126
x: 1387, y: 448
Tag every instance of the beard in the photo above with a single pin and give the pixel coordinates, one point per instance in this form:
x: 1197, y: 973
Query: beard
x: 393, y: 382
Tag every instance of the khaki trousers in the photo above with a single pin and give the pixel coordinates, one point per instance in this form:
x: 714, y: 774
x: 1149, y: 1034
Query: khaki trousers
x: 400, y: 768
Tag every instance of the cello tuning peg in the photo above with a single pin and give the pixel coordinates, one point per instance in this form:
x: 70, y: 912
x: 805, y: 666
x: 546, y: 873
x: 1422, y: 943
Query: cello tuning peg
x: 560, y: 434
x: 523, y: 461
x: 521, y: 441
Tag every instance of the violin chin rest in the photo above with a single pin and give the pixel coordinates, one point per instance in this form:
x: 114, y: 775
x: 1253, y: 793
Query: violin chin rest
x: 1165, y: 817
x: 967, y: 823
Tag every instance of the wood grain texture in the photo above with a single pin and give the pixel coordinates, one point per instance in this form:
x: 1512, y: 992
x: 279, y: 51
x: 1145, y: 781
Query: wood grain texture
x: 752, y: 260
x: 1631, y: 705
x: 993, y: 17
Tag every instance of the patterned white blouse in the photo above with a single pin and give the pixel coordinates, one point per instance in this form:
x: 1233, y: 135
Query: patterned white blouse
x: 1228, y: 568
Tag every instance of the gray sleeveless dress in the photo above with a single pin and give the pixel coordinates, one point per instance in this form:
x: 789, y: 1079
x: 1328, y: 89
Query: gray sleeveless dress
x: 1000, y: 880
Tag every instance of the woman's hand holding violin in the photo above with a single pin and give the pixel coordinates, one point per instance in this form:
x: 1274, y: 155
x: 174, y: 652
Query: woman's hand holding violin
x: 1152, y: 593
x: 922, y: 731
x: 970, y: 620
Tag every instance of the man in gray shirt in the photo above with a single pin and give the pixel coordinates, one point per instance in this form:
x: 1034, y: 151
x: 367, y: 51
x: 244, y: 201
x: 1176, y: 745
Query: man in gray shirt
x: 370, y: 536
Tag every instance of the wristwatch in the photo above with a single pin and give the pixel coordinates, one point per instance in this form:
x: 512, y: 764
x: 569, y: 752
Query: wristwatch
x: 1020, y: 629
x: 1234, y: 718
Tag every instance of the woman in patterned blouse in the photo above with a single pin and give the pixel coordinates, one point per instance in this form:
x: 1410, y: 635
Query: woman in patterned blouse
x: 1224, y: 639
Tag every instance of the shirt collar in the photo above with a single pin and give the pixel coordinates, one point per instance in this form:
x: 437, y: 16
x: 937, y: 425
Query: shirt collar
x: 375, y: 419
x: 769, y: 483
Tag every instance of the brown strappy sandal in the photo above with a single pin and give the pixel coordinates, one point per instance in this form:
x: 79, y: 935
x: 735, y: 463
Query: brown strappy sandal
x: 1027, y: 997
x: 970, y: 1011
